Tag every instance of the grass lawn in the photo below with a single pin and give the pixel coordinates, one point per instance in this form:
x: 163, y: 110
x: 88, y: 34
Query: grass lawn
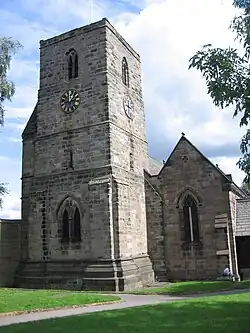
x: 194, y: 287
x: 27, y: 300
x: 208, y: 314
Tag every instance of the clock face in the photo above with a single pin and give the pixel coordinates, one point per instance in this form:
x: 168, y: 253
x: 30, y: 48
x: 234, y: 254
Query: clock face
x: 128, y: 106
x: 70, y: 101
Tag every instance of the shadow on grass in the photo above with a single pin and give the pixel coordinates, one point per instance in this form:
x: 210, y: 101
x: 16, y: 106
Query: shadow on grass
x: 209, y: 314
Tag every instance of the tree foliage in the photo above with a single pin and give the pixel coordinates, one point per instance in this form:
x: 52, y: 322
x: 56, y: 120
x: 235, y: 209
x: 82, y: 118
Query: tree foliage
x: 8, y: 47
x: 227, y: 76
x: 246, y: 188
x: 3, y: 191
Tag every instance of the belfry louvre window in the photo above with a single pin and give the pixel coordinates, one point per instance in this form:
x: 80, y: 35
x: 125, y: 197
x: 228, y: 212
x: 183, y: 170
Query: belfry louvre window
x: 72, y: 64
x: 190, y: 217
x: 125, y: 72
x: 71, y: 225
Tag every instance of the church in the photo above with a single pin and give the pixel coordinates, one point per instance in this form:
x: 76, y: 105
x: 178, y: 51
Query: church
x: 97, y: 212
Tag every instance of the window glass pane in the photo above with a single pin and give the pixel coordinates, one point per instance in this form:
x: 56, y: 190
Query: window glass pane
x: 195, y: 222
x: 65, y: 226
x: 186, y: 223
x: 76, y: 226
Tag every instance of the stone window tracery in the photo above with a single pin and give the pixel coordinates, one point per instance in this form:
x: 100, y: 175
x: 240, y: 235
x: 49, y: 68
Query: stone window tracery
x: 125, y: 72
x: 191, y: 220
x: 70, y: 222
x: 72, y: 64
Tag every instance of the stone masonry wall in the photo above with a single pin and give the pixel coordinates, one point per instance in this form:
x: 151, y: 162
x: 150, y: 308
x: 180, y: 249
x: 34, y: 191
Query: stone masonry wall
x: 84, y: 133
x: 91, y: 195
x: 187, y: 171
x: 243, y: 213
x: 155, y: 229
x: 10, y: 252
x: 92, y: 158
x: 96, y: 133
x: 28, y: 156
x: 129, y: 151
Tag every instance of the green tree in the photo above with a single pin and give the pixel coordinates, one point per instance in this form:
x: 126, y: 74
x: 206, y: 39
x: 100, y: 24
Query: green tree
x: 227, y: 76
x: 8, y: 48
x: 3, y: 191
x: 246, y: 187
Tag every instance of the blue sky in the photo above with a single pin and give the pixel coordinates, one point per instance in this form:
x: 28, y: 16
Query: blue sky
x: 166, y: 33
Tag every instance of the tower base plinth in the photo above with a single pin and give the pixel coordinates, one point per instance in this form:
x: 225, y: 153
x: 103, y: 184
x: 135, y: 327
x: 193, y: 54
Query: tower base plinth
x: 108, y: 275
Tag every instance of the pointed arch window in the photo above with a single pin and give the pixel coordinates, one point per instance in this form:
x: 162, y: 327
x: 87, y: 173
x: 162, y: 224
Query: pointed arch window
x: 72, y: 64
x: 65, y: 226
x: 125, y: 72
x: 76, y: 227
x: 190, y: 217
x: 70, y: 220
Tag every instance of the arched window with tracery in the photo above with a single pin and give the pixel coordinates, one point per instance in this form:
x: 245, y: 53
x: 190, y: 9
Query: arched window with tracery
x: 125, y: 72
x: 72, y: 64
x: 70, y: 220
x: 191, y: 220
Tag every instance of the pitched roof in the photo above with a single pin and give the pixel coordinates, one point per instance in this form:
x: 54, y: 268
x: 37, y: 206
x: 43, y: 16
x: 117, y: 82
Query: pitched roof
x: 154, y: 166
x: 30, y: 128
x: 227, y: 178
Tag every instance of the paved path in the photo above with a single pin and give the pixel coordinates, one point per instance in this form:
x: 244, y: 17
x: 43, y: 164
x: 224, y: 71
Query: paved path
x: 129, y: 301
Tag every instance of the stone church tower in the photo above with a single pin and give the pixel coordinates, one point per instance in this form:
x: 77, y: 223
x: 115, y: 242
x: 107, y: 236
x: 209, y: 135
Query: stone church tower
x: 84, y: 155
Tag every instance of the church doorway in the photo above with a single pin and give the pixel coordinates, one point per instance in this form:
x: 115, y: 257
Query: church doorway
x: 243, y: 256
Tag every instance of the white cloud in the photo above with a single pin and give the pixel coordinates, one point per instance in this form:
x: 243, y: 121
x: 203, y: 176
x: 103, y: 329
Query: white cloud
x: 14, y: 139
x: 22, y: 103
x: 16, y: 126
x: 166, y: 34
x: 11, y: 207
x: 228, y: 166
x: 19, y: 112
x: 23, y: 69
x: 4, y: 158
x: 27, y: 31
x: 77, y: 10
x: 10, y: 175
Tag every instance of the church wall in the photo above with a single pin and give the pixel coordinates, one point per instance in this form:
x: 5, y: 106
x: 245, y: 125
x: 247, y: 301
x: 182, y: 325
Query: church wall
x: 155, y: 228
x: 88, y: 135
x: 90, y: 196
x: 82, y: 134
x: 188, y: 171
x: 73, y: 161
x: 128, y: 145
x: 117, y: 49
x: 88, y: 146
x: 10, y: 251
x: 28, y: 157
x: 90, y: 83
x: 124, y: 232
x: 127, y: 151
